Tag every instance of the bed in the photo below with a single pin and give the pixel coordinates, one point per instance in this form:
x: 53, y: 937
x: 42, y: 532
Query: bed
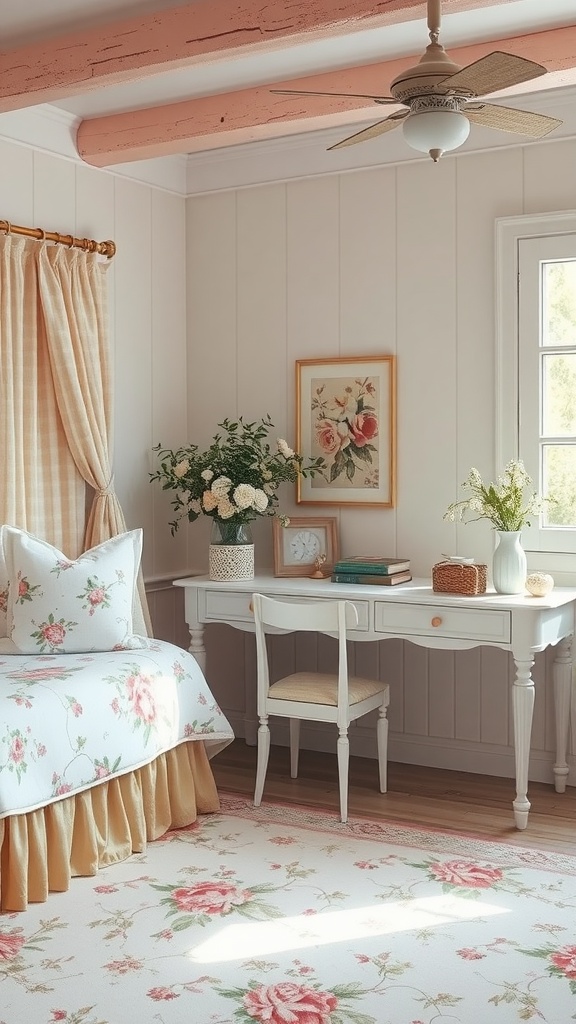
x: 101, y: 751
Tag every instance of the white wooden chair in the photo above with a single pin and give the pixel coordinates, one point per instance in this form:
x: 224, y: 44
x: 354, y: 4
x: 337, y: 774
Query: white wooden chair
x: 315, y: 696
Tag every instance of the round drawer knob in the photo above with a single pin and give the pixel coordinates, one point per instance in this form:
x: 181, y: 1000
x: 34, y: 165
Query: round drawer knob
x: 437, y: 621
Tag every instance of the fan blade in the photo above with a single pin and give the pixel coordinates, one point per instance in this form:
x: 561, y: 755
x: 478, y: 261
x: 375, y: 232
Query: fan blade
x: 373, y: 131
x: 344, y: 95
x: 510, y: 119
x: 491, y: 73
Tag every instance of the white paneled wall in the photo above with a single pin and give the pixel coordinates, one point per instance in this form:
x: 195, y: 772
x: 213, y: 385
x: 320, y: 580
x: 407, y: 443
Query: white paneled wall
x: 387, y: 260
x: 147, y: 315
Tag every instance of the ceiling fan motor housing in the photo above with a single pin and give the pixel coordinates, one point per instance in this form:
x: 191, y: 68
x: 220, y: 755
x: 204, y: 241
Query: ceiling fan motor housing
x: 422, y: 79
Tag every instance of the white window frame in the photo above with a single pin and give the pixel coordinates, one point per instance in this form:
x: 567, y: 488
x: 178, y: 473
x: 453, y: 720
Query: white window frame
x: 517, y: 362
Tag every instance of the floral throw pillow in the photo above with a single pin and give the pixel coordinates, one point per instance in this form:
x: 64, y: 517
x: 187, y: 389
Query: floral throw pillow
x: 3, y: 587
x: 59, y: 606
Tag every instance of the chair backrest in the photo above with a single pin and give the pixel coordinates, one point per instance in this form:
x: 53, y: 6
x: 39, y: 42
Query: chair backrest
x: 315, y: 616
x: 330, y: 617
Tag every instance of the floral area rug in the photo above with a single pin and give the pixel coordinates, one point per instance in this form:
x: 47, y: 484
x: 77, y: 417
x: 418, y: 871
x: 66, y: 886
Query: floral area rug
x: 282, y: 915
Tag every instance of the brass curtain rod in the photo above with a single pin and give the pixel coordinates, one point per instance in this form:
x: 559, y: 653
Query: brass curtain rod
x: 87, y: 244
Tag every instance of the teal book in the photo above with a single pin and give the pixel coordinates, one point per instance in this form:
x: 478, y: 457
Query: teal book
x: 367, y: 579
x: 376, y: 566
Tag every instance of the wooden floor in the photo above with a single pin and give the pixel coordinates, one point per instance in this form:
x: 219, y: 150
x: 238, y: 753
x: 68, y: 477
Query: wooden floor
x: 436, y: 798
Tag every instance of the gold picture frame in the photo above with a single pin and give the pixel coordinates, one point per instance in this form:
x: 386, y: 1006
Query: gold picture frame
x: 346, y: 413
x: 307, y: 544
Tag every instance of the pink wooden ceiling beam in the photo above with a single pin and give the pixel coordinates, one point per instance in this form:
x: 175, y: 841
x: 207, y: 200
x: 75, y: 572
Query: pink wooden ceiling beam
x: 145, y: 45
x: 247, y: 115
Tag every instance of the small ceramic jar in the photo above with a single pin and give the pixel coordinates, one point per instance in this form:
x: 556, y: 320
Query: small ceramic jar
x: 539, y: 584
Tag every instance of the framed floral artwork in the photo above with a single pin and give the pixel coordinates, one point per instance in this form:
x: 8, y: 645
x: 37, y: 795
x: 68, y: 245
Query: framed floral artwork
x: 346, y: 413
x: 305, y: 546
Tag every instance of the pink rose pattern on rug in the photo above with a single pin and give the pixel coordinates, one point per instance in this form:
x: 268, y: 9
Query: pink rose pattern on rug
x: 281, y: 915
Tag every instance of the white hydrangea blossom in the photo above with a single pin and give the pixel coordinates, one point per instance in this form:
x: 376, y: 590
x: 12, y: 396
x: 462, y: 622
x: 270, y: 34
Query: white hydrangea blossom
x: 260, y: 500
x: 221, y: 486
x: 207, y: 474
x: 225, y: 508
x: 209, y: 501
x: 244, y: 496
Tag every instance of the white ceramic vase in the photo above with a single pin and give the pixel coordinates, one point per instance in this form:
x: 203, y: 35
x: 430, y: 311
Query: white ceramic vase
x: 509, y: 567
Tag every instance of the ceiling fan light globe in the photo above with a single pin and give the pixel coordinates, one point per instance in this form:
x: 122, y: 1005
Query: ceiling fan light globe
x: 442, y: 130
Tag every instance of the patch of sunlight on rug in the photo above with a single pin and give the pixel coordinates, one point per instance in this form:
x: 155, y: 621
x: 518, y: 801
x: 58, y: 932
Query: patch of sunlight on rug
x: 242, y: 940
x: 283, y: 915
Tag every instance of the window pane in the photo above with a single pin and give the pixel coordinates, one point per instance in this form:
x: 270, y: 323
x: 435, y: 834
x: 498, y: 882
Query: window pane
x: 559, y: 472
x: 559, y: 301
x: 559, y: 395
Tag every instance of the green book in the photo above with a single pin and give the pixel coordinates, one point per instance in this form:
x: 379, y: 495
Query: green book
x: 376, y: 566
x: 367, y: 579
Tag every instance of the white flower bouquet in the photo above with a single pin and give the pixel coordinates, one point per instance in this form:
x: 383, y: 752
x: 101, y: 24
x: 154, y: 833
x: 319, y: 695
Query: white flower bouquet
x: 236, y: 478
x: 505, y: 503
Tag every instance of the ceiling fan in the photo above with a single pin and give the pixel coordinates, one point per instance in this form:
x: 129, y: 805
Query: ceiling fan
x: 441, y: 98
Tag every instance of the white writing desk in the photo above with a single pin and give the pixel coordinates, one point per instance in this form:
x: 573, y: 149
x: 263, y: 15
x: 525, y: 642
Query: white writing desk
x: 412, y: 611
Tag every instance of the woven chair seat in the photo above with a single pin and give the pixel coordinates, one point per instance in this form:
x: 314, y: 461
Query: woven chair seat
x: 322, y: 688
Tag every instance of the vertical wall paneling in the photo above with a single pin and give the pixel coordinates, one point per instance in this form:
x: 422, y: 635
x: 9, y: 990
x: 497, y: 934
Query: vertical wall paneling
x: 312, y: 288
x: 368, y: 284
x: 416, y: 692
x: 549, y: 177
x: 211, y: 276
x: 17, y: 164
x: 133, y: 365
x: 468, y: 695
x: 169, y: 360
x: 426, y: 319
x: 492, y: 688
x: 261, y: 327
x: 441, y: 694
x: 54, y: 192
x: 474, y: 410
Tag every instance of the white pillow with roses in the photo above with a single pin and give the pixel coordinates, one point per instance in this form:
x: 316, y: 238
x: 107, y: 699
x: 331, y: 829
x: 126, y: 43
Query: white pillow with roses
x: 61, y: 606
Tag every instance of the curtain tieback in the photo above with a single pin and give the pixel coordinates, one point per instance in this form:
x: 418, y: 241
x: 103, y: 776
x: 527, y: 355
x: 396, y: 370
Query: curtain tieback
x: 105, y: 492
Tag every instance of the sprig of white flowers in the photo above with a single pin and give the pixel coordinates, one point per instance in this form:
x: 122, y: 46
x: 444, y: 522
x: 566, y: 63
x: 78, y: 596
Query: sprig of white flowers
x: 504, y: 503
x: 236, y: 479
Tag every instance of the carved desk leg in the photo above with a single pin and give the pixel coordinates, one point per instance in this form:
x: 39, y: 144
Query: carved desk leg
x: 522, y: 709
x: 562, y: 675
x: 197, y: 645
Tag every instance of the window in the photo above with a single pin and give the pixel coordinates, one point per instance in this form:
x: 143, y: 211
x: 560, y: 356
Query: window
x: 536, y: 371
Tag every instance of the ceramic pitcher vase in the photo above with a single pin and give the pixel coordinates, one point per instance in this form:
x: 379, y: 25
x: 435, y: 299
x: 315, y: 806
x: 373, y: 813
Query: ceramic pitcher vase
x: 509, y: 567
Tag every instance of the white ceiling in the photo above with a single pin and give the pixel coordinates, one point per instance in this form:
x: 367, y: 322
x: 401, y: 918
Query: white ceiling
x: 296, y: 58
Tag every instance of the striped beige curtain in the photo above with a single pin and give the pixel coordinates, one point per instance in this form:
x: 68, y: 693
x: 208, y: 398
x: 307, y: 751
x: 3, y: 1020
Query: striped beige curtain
x: 41, y: 489
x: 56, y: 398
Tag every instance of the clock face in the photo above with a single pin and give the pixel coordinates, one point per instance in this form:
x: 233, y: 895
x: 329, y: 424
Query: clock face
x: 304, y: 546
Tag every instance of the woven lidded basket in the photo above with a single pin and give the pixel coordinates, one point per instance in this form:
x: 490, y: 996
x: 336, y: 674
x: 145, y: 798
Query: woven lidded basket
x: 458, y: 578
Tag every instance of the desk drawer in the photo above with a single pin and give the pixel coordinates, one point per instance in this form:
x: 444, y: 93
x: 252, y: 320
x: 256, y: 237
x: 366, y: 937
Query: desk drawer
x: 450, y: 622
x: 227, y: 606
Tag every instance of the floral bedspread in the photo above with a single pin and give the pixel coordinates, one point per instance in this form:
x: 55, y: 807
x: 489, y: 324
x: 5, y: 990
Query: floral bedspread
x: 68, y: 722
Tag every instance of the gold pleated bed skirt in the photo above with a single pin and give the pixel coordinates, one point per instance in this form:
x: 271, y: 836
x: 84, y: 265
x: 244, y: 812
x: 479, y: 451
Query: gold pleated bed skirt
x: 42, y: 850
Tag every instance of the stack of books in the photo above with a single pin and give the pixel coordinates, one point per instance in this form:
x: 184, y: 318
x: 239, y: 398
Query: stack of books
x: 372, y: 570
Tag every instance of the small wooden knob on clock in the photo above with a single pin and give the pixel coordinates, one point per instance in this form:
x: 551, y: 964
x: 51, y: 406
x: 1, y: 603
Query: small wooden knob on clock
x: 437, y: 620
